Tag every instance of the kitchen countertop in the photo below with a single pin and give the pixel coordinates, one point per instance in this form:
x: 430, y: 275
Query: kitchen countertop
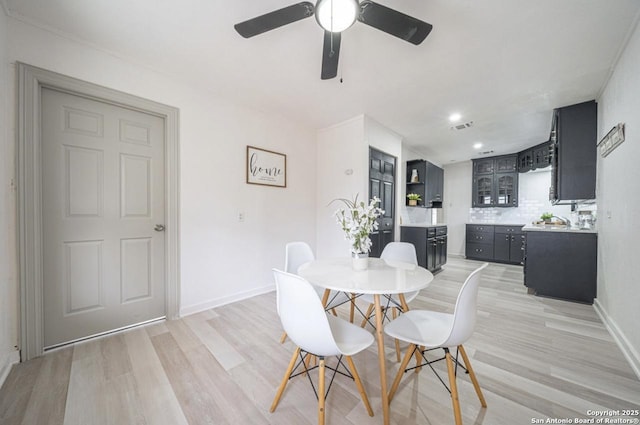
x: 555, y: 228
x: 423, y: 225
x: 498, y: 224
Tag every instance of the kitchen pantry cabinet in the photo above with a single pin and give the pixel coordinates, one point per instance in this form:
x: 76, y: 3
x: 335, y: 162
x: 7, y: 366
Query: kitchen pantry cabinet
x: 574, y: 138
x: 499, y: 243
x: 561, y: 265
x: 430, y: 184
x: 495, y: 182
x: 430, y: 243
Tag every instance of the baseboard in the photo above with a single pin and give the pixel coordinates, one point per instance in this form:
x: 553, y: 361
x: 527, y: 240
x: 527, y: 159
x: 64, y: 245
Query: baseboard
x: 217, y: 302
x: 11, y: 359
x: 628, y: 350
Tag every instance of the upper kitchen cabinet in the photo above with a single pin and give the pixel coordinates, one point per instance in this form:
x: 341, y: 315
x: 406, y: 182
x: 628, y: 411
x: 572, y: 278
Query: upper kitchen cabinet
x: 574, y: 154
x: 541, y: 155
x: 429, y: 183
x: 495, y: 182
x: 533, y: 158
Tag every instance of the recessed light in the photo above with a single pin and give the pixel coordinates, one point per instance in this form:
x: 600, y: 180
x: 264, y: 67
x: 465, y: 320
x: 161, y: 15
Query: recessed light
x: 454, y: 117
x: 477, y: 145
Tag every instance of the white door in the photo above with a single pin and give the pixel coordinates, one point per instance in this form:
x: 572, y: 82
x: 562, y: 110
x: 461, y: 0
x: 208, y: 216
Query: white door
x: 103, y: 217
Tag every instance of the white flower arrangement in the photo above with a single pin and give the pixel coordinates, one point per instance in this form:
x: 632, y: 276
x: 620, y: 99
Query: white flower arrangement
x: 357, y: 221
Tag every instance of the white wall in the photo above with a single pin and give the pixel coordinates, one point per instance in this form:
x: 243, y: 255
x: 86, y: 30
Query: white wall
x: 618, y: 192
x: 8, y: 288
x: 381, y: 138
x: 222, y: 259
x: 457, y: 203
x: 343, y: 172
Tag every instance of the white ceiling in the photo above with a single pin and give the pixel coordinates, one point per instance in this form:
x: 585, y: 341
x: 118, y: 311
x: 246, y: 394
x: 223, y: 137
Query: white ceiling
x: 503, y: 64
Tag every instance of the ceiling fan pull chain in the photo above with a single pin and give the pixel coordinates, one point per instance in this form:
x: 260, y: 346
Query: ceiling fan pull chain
x: 331, y: 53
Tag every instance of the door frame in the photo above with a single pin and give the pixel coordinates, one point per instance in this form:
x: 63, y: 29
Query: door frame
x: 31, y: 81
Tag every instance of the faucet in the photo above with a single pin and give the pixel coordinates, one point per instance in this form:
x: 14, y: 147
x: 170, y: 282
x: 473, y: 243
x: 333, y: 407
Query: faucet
x: 565, y: 220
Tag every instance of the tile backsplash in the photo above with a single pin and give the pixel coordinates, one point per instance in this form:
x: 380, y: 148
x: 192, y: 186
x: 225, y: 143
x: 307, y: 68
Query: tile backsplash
x: 533, y: 190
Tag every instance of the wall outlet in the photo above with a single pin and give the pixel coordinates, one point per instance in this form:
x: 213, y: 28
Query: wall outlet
x: 241, y: 216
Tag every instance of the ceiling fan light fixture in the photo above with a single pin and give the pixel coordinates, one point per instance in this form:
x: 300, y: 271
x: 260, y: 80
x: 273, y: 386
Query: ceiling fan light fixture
x: 336, y: 15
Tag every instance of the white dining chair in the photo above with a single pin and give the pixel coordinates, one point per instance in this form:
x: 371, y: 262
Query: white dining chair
x: 298, y: 253
x: 319, y: 334
x: 394, y: 251
x: 426, y: 330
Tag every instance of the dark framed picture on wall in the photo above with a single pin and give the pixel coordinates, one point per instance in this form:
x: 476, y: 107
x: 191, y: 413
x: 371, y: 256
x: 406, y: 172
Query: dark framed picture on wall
x: 266, y: 167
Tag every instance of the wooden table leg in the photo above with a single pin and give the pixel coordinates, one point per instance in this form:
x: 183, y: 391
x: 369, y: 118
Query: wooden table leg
x: 352, y: 307
x: 381, y: 360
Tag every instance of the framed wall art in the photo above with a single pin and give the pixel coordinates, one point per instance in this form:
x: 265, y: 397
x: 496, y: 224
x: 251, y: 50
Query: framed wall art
x: 266, y: 167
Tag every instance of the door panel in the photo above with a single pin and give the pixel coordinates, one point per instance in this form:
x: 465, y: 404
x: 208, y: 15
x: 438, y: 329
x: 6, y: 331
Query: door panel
x: 103, y: 192
x: 382, y: 184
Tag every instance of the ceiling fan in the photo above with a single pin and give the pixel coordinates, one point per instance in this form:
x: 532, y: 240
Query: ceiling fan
x: 335, y: 16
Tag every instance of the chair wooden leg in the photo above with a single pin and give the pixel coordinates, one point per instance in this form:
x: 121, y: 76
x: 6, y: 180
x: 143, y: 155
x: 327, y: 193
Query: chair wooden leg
x: 403, y: 366
x: 454, y: 389
x: 472, y: 375
x: 356, y: 378
x: 321, y: 392
x: 307, y: 361
x: 283, y: 384
x: 367, y: 315
x: 334, y: 312
x: 419, y: 359
x: 394, y: 315
x: 283, y: 338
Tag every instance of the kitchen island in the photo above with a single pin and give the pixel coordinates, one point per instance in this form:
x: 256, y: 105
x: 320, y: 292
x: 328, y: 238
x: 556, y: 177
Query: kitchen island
x: 561, y: 262
x: 430, y: 241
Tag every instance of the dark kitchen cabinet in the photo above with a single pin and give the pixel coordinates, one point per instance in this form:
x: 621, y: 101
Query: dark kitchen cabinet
x: 434, y: 186
x: 479, y: 241
x: 506, y: 189
x: 483, y: 191
x: 525, y: 161
x: 440, y: 254
x: 495, y: 182
x: 574, y: 154
x: 561, y: 265
x: 509, y: 244
x: 541, y: 155
x: 499, y: 243
x: 430, y: 243
x: 533, y: 158
x: 483, y: 166
x: 430, y: 184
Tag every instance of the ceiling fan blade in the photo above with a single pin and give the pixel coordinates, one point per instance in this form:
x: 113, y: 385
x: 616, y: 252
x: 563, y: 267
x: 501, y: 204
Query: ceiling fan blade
x: 275, y: 19
x: 393, y: 22
x: 330, y: 55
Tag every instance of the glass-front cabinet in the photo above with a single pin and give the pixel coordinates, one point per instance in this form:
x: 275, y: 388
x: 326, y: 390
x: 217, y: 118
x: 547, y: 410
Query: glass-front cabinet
x: 506, y: 189
x: 495, y: 182
x: 483, y: 191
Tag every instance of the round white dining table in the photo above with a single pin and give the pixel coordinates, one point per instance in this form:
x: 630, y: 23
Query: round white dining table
x: 382, y: 277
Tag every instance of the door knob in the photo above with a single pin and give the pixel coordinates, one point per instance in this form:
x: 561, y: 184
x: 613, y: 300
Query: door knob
x: 159, y: 228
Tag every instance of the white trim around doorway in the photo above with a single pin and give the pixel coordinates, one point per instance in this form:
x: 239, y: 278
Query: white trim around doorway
x: 31, y: 80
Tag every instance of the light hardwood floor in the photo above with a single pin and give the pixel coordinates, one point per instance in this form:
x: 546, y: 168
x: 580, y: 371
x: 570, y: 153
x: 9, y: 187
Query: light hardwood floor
x: 535, y: 358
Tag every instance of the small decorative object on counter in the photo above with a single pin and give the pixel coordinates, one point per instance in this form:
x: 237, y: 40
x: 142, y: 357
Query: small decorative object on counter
x: 357, y: 221
x: 414, y: 176
x: 546, y: 217
x: 413, y: 199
